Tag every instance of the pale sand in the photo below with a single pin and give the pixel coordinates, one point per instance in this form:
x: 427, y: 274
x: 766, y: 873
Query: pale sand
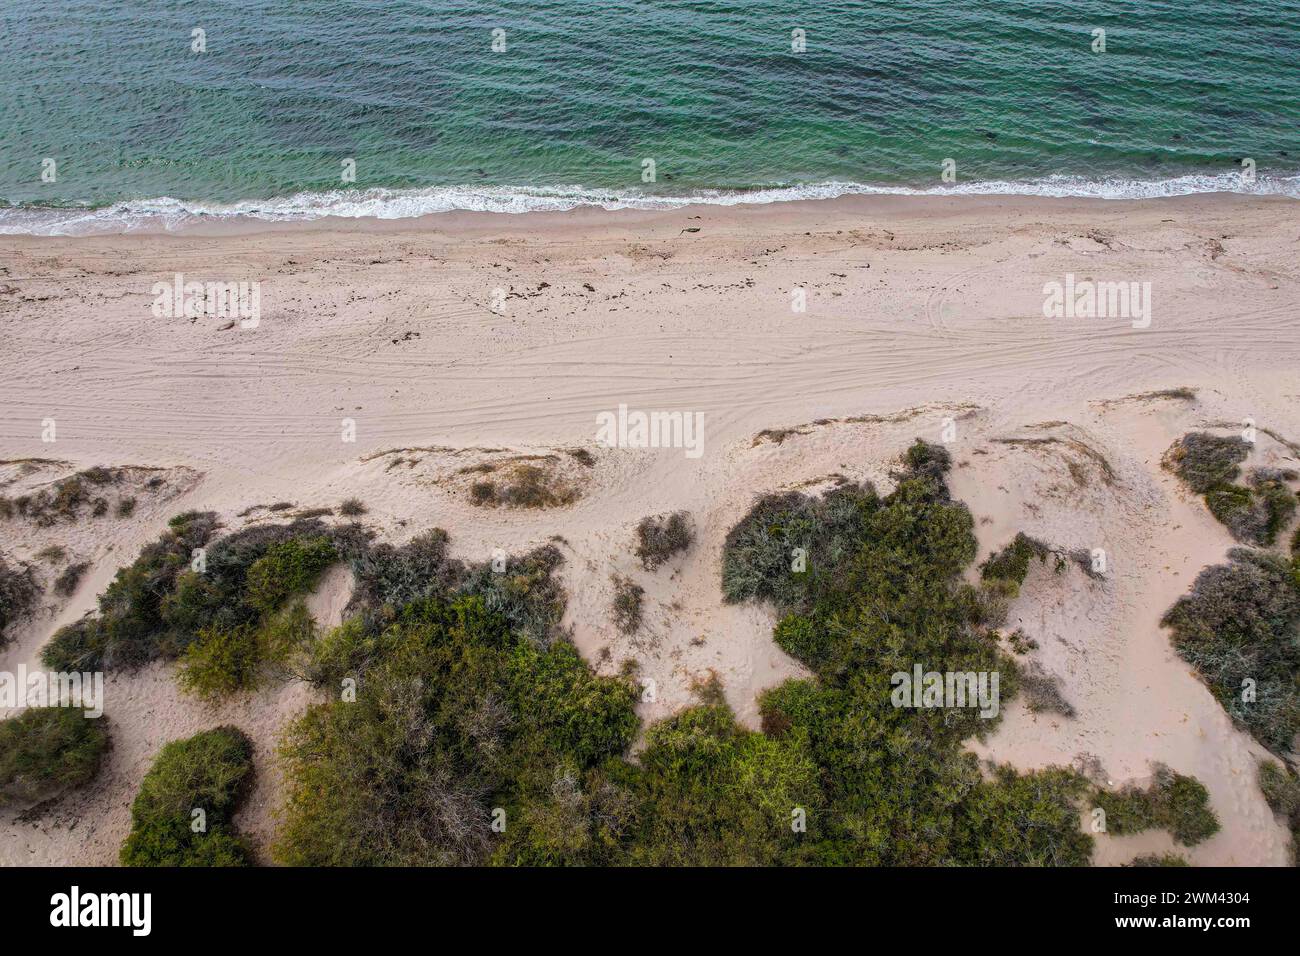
x: 921, y: 304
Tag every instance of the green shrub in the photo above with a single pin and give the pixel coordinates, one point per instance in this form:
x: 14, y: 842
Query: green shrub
x: 1011, y: 564
x: 130, y: 630
x: 526, y: 593
x: 1240, y: 627
x: 391, y: 576
x: 221, y: 662
x: 1173, y: 802
x: 215, y: 618
x: 1023, y: 820
x: 47, y: 750
x: 79, y: 646
x: 715, y: 794
x: 210, y: 772
x: 927, y: 461
x: 786, y: 549
x: 288, y: 568
x: 456, y: 713
x: 661, y: 537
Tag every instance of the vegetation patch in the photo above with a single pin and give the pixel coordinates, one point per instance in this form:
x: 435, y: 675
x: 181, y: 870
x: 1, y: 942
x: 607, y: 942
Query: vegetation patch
x: 18, y: 595
x: 1180, y: 394
x: 66, y: 500
x: 1010, y: 566
x: 462, y: 727
x: 524, y: 484
x: 1172, y: 802
x: 183, y: 813
x: 1281, y: 788
x: 882, y: 592
x: 65, y: 585
x: 1254, y: 512
x: 660, y: 537
x: 629, y: 598
x: 217, y: 616
x: 1043, y: 692
x: 457, y: 714
x: 352, y: 508
x: 1205, y: 461
x: 45, y: 751
x: 1158, y: 859
x: 1240, y: 628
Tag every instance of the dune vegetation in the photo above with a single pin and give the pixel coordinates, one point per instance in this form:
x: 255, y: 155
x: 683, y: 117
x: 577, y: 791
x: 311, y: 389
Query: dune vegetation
x: 183, y: 812
x: 45, y: 751
x: 1210, y: 465
x: 1239, y: 626
x: 457, y: 724
x: 18, y: 594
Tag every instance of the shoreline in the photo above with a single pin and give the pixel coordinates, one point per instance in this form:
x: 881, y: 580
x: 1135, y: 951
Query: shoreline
x: 477, y: 222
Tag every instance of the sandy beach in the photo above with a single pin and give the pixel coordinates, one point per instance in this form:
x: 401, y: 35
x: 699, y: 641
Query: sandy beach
x: 449, y: 340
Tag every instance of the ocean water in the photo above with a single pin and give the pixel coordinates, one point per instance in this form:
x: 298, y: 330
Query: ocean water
x: 143, y: 130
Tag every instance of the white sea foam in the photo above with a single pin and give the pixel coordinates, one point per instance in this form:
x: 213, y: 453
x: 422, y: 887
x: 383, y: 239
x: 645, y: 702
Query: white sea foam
x: 172, y: 214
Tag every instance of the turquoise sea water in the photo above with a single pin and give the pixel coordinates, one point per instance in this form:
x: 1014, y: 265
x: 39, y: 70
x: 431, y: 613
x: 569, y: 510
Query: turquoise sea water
x: 142, y: 128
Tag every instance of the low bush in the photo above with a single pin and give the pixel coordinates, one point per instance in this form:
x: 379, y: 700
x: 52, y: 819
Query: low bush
x: 388, y: 575
x: 352, y: 508
x: 661, y: 537
x: 18, y: 594
x: 786, y: 549
x: 1011, y: 564
x: 130, y: 629
x: 1173, y: 802
x: 65, y: 585
x: 214, y: 617
x: 1205, y: 461
x: 1163, y: 859
x: 221, y: 662
x: 1281, y: 788
x: 456, y: 713
x: 45, y: 751
x: 627, y: 608
x: 715, y: 794
x: 1240, y: 628
x: 1253, y: 513
x: 209, y: 773
x: 288, y: 567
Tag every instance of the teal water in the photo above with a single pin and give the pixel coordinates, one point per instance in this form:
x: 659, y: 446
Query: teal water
x: 259, y: 124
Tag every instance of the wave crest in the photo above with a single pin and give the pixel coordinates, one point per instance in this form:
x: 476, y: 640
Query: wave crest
x: 169, y: 214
